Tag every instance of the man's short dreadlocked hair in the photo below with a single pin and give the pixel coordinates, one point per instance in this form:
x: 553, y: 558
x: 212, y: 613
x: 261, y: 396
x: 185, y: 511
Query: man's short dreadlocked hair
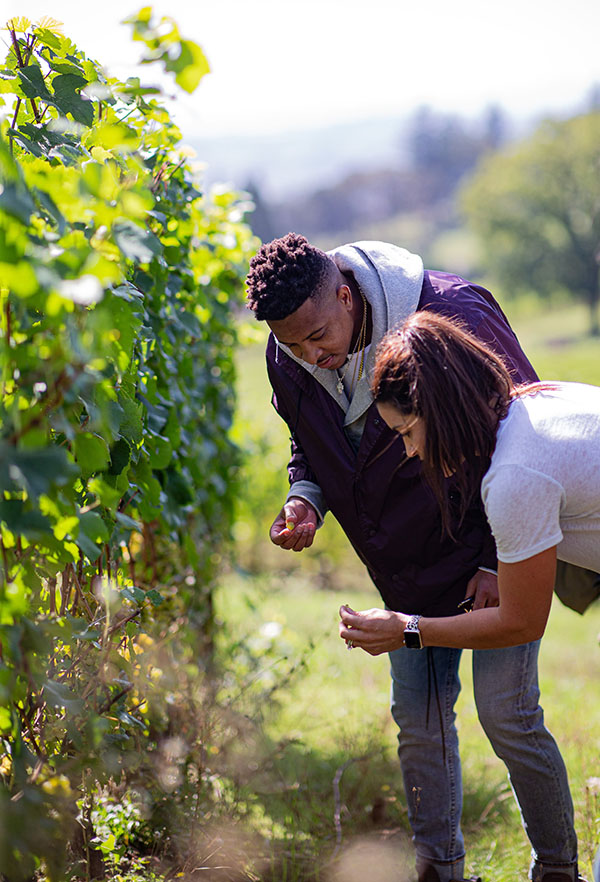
x: 283, y: 274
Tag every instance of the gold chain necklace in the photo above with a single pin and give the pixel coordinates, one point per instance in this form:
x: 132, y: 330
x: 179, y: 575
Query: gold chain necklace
x: 359, y: 364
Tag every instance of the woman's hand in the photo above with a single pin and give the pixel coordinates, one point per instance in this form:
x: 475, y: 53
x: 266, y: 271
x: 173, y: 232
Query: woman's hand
x: 374, y: 630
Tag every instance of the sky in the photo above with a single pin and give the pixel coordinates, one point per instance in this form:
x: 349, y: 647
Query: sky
x: 279, y: 65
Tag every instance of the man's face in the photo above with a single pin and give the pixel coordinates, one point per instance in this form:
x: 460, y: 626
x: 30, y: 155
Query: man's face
x: 320, y: 331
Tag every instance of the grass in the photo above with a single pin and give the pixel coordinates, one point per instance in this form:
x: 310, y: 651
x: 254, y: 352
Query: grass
x: 319, y: 715
x: 328, y: 712
x: 556, y: 339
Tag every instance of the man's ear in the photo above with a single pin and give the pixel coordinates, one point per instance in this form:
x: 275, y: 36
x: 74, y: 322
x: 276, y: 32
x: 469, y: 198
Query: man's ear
x: 344, y: 295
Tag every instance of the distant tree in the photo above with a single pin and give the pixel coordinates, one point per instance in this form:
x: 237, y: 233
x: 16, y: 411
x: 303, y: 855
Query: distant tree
x: 537, y: 209
x: 442, y: 148
x: 594, y: 98
x: 344, y: 208
x: 260, y: 218
x: 495, y: 127
x: 435, y: 153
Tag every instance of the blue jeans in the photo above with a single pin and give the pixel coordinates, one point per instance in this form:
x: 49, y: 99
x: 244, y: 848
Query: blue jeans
x: 507, y: 698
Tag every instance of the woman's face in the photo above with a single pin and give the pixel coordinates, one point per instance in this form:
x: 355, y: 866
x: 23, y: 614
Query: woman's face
x: 409, y: 426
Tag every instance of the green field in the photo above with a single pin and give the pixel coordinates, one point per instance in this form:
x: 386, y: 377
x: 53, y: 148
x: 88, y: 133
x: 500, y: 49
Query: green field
x: 556, y: 340
x: 327, y: 708
x: 317, y: 714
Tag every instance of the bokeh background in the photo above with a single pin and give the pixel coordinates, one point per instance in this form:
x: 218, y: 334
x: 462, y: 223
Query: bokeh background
x: 470, y: 133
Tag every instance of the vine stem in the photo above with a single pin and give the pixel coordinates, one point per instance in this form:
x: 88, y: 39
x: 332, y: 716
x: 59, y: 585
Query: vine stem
x: 30, y: 45
x: 150, y: 552
x: 21, y: 64
x: 50, y: 405
x: 109, y: 703
x: 122, y: 622
x: 65, y: 589
x: 25, y: 717
x: 337, y: 817
x: 6, y: 371
x: 15, y: 42
x: 79, y: 594
x: 52, y: 590
x: 4, y: 561
x: 14, y: 121
x: 8, y: 313
x: 131, y: 563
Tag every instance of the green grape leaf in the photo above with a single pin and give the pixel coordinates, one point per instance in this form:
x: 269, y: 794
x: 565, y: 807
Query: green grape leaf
x: 28, y: 523
x: 59, y: 695
x: 127, y: 522
x: 160, y: 451
x: 35, y: 470
x: 92, y: 530
x: 189, y: 66
x: 131, y: 426
x: 133, y: 594
x: 108, y: 496
x: 157, y: 416
x: 16, y: 202
x: 190, y: 322
x: 81, y: 629
x: 91, y: 453
x: 136, y: 243
x: 154, y: 597
x: 128, y: 292
x: 28, y: 143
x: 33, y: 84
x: 9, y: 82
x: 120, y: 455
x: 62, y: 66
x: 68, y: 100
x: 49, y: 38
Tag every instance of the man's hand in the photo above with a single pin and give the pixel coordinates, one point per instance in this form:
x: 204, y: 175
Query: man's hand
x: 374, y: 630
x: 295, y: 525
x: 484, y: 587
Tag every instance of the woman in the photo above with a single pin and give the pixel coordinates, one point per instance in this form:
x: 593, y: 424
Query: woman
x: 533, y: 453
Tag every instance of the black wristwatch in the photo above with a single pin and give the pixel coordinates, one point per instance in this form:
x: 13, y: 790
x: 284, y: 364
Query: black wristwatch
x: 412, y: 635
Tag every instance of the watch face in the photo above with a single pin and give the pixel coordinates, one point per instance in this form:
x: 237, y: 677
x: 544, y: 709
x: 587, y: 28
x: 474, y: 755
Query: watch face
x: 412, y: 640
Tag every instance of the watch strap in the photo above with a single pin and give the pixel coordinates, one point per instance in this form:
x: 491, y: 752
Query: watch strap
x: 412, y: 634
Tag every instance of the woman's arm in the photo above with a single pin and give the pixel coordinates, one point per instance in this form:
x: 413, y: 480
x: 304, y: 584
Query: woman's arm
x: 525, y: 592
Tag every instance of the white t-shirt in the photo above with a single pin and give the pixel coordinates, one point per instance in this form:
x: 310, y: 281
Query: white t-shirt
x: 543, y: 484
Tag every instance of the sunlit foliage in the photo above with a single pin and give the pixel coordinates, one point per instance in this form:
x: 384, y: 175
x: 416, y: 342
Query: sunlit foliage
x: 118, y: 278
x: 536, y: 207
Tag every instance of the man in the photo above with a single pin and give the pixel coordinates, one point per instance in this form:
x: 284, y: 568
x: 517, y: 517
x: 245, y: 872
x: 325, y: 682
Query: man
x: 327, y: 313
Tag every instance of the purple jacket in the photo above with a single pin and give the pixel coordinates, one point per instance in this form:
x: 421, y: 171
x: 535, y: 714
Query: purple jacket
x: 388, y: 512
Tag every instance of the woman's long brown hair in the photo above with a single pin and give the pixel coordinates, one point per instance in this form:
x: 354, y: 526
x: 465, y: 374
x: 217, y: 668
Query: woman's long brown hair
x: 433, y: 368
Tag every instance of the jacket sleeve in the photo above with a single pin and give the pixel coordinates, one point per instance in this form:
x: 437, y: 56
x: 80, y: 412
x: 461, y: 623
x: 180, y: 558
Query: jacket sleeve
x: 303, y: 483
x: 312, y: 494
x: 481, y: 314
x: 499, y: 336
